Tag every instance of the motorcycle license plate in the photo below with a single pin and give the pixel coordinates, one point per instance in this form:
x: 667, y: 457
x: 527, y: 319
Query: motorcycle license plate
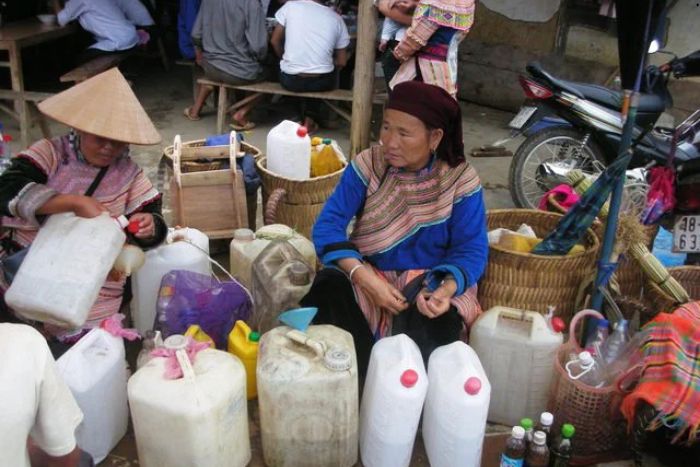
x: 686, y: 234
x: 523, y: 116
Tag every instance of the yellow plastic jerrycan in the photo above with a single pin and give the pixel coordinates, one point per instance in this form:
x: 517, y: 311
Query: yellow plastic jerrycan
x: 324, y: 160
x: 196, y: 333
x: 243, y: 343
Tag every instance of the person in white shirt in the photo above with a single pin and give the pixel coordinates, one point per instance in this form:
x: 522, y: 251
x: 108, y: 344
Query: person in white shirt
x: 311, y: 39
x: 38, y: 414
x: 136, y: 12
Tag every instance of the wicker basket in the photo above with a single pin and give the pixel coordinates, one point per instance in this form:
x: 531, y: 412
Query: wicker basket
x: 689, y: 278
x: 296, y: 203
x: 595, y: 412
x: 534, y: 282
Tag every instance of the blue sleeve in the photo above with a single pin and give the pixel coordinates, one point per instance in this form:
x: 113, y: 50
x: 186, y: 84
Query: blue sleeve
x: 468, y: 250
x: 330, y: 235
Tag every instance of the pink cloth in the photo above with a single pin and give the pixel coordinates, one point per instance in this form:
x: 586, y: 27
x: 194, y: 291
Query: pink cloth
x: 173, y: 370
x: 113, y: 325
x: 564, y: 194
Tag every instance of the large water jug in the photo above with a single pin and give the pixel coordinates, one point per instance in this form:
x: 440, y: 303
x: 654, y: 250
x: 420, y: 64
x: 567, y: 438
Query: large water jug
x: 308, y: 397
x: 200, y: 419
x: 454, y: 418
x: 95, y: 371
x: 281, y: 265
x: 65, y: 268
x: 515, y: 346
x: 289, y: 151
x: 392, y: 401
x: 186, y: 249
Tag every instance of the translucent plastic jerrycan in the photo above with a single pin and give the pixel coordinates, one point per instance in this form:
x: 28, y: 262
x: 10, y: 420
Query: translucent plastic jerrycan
x: 284, y: 232
x: 516, y: 346
x: 289, y: 151
x: 281, y: 278
x: 186, y: 249
x: 454, y: 417
x: 65, y: 268
x: 308, y: 397
x: 199, y: 419
x: 243, y: 343
x: 95, y: 371
x: 395, y: 388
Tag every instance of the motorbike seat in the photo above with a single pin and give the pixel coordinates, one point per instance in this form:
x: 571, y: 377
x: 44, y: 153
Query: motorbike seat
x: 648, y: 103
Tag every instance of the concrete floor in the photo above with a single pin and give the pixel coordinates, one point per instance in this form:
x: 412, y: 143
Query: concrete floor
x: 165, y: 95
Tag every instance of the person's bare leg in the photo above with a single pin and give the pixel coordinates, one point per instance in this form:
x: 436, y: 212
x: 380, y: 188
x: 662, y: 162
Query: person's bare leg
x: 204, y: 91
x: 240, y: 117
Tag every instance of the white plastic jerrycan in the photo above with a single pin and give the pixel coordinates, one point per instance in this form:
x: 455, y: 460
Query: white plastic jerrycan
x: 186, y: 249
x: 454, y: 417
x: 516, y: 346
x: 289, y: 151
x: 200, y: 419
x: 95, y: 371
x: 392, y: 401
x: 308, y: 397
x: 65, y: 268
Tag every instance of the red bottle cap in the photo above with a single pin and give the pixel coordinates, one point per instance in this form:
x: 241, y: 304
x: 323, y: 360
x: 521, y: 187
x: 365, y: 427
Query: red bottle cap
x: 472, y: 386
x: 409, y: 378
x: 133, y: 227
x: 302, y: 131
x: 558, y: 324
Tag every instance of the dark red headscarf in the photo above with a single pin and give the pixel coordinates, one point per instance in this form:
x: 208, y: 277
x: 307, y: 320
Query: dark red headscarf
x: 436, y: 109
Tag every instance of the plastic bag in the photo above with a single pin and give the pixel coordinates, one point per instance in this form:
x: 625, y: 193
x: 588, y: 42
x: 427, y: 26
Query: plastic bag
x: 187, y: 298
x: 661, y: 196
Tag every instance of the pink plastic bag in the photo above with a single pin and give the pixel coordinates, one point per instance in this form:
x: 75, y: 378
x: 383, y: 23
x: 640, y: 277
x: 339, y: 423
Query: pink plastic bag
x: 661, y: 197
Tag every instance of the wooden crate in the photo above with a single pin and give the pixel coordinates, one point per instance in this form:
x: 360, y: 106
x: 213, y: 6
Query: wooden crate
x: 213, y: 201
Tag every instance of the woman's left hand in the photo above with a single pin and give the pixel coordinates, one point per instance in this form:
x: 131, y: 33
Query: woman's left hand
x: 147, y: 226
x: 434, y: 304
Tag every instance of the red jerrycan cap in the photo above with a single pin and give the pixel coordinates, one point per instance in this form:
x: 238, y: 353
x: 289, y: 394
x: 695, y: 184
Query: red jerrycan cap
x: 302, y: 131
x: 472, y: 386
x: 133, y: 227
x: 558, y: 324
x: 409, y: 378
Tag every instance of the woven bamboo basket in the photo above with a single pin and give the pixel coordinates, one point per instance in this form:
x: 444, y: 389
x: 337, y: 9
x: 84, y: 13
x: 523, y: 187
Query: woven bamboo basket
x: 296, y: 203
x: 630, y: 277
x: 534, y: 282
x: 197, y: 166
x: 689, y: 278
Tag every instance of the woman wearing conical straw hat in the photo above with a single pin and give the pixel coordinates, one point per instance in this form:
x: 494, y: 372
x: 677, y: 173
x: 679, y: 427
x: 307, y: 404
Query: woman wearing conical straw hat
x: 53, y: 176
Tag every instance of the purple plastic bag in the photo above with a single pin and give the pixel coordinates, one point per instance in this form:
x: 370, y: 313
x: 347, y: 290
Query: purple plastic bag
x: 187, y: 298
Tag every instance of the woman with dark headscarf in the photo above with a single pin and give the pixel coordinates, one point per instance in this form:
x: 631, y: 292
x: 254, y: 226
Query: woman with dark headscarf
x: 418, y: 245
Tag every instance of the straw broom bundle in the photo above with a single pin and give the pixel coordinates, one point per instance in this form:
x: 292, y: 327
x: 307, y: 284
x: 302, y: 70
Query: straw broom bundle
x: 580, y: 183
x: 655, y: 271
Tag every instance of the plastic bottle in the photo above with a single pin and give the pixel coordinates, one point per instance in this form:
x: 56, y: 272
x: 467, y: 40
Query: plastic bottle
x: 514, y: 453
x: 196, y: 333
x: 324, y: 159
x: 243, y: 343
x: 5, y: 154
x: 615, y: 344
x: 527, y: 425
x: 562, y: 447
x: 538, y: 453
x: 545, y: 426
x: 585, y: 369
x: 598, y: 337
x: 289, y: 151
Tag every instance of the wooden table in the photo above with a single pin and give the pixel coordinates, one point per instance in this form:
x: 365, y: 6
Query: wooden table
x: 14, y: 37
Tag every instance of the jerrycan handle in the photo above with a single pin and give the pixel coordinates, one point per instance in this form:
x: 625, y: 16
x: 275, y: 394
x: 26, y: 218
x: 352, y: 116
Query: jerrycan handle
x: 302, y: 338
x: 184, y: 361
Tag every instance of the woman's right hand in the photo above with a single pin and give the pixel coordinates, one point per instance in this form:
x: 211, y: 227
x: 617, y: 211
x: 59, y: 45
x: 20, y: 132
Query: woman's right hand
x: 86, y: 206
x: 380, y: 292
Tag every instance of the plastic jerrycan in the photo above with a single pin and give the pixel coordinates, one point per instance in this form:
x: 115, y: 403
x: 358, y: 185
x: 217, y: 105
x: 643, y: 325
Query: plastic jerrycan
x: 95, y: 371
x: 186, y: 249
x: 308, y: 397
x: 65, y: 268
x: 515, y: 346
x: 243, y: 343
x: 454, y: 417
x: 243, y: 250
x: 200, y: 419
x: 395, y: 388
x: 289, y: 151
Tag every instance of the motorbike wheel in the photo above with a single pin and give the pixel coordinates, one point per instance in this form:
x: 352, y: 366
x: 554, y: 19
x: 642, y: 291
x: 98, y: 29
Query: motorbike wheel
x: 543, y: 160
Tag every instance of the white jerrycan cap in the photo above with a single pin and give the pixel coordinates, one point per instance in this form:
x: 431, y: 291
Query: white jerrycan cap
x: 175, y: 342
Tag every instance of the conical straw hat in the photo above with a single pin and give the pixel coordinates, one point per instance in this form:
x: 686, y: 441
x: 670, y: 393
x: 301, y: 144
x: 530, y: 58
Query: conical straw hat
x: 103, y: 105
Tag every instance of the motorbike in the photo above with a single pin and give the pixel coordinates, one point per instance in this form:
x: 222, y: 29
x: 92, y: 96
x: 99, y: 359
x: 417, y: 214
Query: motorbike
x: 570, y: 125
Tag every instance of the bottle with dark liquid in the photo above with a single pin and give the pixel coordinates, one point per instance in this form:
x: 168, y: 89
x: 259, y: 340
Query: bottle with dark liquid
x: 561, y: 448
x: 514, y: 453
x: 538, y: 453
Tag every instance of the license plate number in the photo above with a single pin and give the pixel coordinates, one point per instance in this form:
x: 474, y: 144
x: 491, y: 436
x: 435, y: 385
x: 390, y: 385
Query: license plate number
x: 686, y: 234
x: 523, y: 116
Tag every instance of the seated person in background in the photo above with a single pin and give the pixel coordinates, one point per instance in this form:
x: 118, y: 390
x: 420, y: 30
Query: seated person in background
x: 392, y: 33
x: 136, y: 12
x: 39, y: 414
x: 311, y: 39
x: 230, y: 43
x: 185, y: 23
x: 105, y: 20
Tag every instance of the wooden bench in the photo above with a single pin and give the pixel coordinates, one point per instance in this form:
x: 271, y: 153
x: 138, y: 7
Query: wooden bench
x: 31, y: 97
x: 94, y: 67
x: 268, y: 87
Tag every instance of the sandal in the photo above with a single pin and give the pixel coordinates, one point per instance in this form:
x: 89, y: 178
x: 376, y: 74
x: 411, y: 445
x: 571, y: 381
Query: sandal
x: 189, y: 117
x: 243, y: 126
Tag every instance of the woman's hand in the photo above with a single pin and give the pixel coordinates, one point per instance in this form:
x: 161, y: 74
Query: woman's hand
x: 147, y: 227
x: 379, y: 291
x: 436, y: 303
x: 87, y: 206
